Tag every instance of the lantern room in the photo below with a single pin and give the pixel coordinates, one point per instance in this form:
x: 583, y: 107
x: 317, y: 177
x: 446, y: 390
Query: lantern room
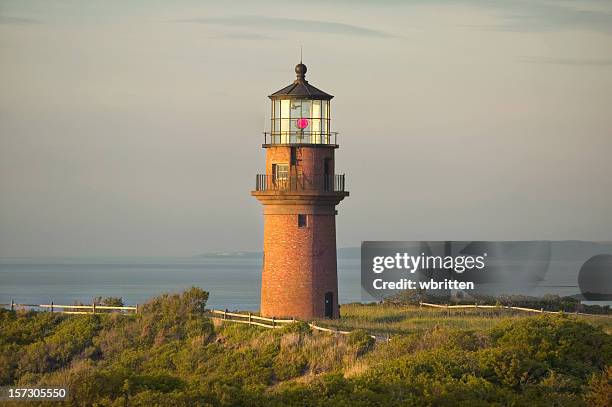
x: 300, y: 114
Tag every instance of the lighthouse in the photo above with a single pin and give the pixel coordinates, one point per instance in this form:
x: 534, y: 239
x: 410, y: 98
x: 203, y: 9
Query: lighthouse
x: 299, y: 192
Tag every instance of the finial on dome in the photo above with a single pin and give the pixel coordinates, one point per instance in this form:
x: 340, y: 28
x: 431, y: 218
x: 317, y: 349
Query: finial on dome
x: 300, y: 70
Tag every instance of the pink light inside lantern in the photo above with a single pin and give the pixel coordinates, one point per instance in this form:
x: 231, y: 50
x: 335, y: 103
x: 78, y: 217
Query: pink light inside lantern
x: 301, y: 123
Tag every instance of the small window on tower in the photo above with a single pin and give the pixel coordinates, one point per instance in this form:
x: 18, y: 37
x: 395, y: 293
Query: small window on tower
x: 280, y: 172
x: 302, y: 221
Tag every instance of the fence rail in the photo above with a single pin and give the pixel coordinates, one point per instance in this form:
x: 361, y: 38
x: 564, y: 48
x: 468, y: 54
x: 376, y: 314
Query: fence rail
x: 251, y: 319
x: 80, y: 309
x: 541, y: 310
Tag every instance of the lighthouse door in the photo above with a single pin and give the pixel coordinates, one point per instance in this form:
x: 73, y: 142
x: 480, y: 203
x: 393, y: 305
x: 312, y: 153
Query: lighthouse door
x: 329, y: 305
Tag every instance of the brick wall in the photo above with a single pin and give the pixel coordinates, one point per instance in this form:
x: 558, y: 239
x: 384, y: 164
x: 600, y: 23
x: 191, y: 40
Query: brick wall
x: 310, y: 161
x: 299, y: 266
x: 299, y: 263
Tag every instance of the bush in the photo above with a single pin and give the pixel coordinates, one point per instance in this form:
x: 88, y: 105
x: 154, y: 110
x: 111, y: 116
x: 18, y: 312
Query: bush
x: 109, y: 301
x: 298, y: 327
x: 599, y: 389
x: 175, y: 316
x: 560, y: 343
x: 361, y: 340
x: 172, y: 355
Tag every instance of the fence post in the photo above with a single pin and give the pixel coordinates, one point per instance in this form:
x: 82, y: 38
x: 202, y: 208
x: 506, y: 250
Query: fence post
x: 273, y: 322
x: 93, y: 308
x: 541, y: 310
x: 250, y: 318
x: 136, y: 308
x: 12, y: 305
x: 225, y: 314
x: 51, y: 306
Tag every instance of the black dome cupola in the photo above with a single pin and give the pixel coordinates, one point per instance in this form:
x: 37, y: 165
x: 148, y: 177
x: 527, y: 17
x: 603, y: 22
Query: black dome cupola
x: 300, y: 88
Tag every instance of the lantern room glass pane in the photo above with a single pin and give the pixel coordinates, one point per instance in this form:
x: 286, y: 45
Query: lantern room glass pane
x: 316, y: 109
x: 294, y: 127
x: 285, y: 125
x: 284, y: 108
x: 306, y: 109
x: 316, y: 126
x: 284, y: 136
x: 277, y: 109
x: 296, y: 109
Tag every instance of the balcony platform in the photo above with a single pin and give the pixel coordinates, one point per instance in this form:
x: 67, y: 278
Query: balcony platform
x: 286, y: 202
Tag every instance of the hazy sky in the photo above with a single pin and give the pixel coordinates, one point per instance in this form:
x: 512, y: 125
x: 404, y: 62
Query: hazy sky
x: 132, y: 128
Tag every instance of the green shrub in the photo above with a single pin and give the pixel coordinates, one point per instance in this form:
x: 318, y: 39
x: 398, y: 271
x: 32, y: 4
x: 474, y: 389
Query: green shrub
x: 599, y: 389
x: 298, y: 327
x: 361, y: 340
x: 288, y: 365
x: 172, y: 355
x: 560, y: 343
x: 109, y: 301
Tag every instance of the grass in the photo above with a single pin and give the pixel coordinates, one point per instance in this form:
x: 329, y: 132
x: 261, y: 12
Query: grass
x: 404, y: 319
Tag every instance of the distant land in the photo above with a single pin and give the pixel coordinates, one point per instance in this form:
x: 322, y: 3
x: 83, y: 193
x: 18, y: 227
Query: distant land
x: 231, y: 254
x: 345, y: 252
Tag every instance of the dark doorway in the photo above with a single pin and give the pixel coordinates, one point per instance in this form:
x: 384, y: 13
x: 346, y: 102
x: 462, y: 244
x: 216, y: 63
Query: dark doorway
x: 329, y: 305
x: 327, y: 176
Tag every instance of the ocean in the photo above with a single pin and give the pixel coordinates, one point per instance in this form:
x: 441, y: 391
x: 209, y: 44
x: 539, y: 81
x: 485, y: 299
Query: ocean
x: 233, y: 280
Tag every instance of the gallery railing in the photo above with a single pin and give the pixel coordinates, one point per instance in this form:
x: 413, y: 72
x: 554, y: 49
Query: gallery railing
x: 326, y: 183
x: 300, y: 137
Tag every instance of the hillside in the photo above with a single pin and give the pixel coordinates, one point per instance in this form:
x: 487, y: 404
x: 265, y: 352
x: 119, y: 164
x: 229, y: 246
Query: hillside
x: 172, y: 355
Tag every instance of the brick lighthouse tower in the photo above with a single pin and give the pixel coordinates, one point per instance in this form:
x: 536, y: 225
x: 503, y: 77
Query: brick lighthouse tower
x: 299, y: 192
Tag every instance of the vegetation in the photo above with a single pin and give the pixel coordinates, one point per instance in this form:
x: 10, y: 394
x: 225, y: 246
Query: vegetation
x: 109, y: 301
x: 548, y: 302
x: 398, y: 319
x: 171, y: 354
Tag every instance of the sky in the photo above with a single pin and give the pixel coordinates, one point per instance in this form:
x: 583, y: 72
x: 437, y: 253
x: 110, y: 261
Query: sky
x: 134, y: 128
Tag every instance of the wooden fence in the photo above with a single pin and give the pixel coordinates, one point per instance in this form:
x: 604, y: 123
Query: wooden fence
x: 249, y: 318
x: 273, y: 323
x: 508, y: 307
x: 240, y: 318
x: 75, y: 309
